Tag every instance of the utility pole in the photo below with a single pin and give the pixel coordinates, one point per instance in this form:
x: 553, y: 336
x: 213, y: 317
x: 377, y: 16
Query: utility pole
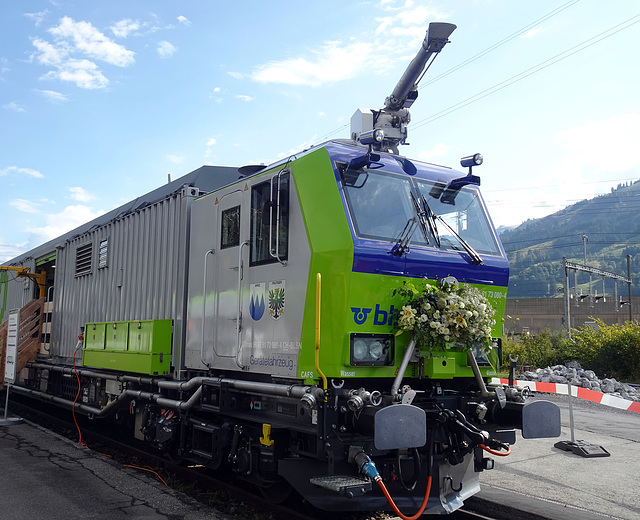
x: 585, y: 239
x: 629, y: 285
x: 594, y: 270
x: 567, y: 306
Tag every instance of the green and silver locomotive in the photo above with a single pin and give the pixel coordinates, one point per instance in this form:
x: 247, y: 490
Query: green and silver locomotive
x: 247, y: 320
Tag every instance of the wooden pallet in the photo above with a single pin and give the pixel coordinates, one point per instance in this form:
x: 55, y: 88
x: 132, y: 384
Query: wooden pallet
x: 29, y: 336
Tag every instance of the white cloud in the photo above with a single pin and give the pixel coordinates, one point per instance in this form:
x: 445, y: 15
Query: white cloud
x: 49, y: 54
x: 89, y: 40
x: 26, y: 206
x: 13, y: 106
x: 292, y: 151
x: 335, y: 61
x: 242, y: 97
x: 236, y: 75
x: 608, y: 145
x: 123, y: 28
x: 80, y: 194
x: 531, y: 32
x: 37, y: 18
x: 407, y: 19
x: 9, y: 251
x: 175, y: 159
x: 84, y: 73
x: 211, y: 141
x: 215, y: 95
x: 53, y: 96
x: 394, y: 5
x: 584, y: 161
x: 75, y: 45
x: 166, y: 49
x: 397, y: 32
x: 69, y: 218
x: 440, y: 150
x: 21, y: 171
x: 184, y: 21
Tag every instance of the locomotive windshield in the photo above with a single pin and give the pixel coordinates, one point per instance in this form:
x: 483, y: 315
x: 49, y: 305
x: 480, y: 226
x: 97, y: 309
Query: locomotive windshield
x: 383, y: 206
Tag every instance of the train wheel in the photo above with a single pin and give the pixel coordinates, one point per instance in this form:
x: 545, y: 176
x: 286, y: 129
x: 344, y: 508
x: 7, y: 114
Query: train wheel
x: 276, y: 492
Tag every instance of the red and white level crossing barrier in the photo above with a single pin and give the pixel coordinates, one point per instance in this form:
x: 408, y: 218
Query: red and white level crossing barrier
x: 576, y: 391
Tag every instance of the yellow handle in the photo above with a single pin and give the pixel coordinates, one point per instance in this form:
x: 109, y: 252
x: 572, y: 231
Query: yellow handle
x: 318, y: 301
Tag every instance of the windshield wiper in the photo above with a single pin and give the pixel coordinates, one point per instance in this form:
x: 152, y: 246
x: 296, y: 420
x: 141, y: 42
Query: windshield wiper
x: 401, y: 247
x: 422, y: 216
x: 476, y: 259
x: 431, y: 221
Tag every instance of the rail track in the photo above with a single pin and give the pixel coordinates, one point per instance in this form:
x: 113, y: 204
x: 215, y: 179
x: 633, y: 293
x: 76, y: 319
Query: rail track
x: 232, y: 497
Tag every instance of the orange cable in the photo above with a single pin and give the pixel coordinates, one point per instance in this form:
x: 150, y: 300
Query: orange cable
x: 147, y: 469
x: 395, y: 508
x: 73, y: 409
x: 493, y: 452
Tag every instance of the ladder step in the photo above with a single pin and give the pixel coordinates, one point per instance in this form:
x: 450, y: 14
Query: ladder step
x: 343, y: 484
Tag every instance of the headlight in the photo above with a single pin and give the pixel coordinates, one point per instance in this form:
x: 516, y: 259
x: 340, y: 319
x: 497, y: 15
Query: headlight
x: 372, y: 349
x: 360, y: 350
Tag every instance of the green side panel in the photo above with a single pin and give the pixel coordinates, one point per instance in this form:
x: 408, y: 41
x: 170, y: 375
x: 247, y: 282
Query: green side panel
x: 94, y: 336
x: 117, y: 335
x: 45, y: 259
x: 150, y: 336
x: 331, y: 255
x: 133, y: 346
x: 141, y: 363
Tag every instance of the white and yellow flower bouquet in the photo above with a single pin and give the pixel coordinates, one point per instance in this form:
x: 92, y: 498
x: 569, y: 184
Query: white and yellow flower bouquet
x: 445, y: 313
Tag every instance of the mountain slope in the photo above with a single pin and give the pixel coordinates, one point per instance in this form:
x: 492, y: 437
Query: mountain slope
x: 611, y: 223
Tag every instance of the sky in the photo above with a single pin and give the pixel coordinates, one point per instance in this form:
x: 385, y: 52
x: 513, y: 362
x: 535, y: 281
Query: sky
x: 101, y: 101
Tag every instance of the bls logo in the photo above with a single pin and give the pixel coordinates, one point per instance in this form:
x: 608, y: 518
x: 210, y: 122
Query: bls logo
x: 380, y: 317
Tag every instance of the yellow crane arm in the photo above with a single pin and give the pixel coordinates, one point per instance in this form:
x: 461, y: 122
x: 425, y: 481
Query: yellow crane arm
x: 23, y: 272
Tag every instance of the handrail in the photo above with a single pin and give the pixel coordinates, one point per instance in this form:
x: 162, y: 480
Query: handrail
x: 239, y: 303
x: 277, y: 249
x: 204, y: 303
x: 48, y: 300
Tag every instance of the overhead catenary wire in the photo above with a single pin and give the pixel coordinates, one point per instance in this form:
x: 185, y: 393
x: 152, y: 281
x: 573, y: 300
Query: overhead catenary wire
x: 544, y: 186
x: 500, y: 43
x: 531, y: 70
x: 476, y: 56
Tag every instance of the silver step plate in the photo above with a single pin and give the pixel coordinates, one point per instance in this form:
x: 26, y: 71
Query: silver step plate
x: 343, y: 484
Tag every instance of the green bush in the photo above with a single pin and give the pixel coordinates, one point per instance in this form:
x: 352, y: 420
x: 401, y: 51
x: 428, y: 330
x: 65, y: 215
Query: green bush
x: 610, y: 350
x: 546, y: 349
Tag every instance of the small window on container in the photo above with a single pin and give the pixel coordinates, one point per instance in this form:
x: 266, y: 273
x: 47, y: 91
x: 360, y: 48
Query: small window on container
x: 103, y: 253
x: 83, y: 259
x: 230, y: 232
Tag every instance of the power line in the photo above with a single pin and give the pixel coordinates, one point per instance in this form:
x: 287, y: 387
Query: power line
x: 530, y: 71
x: 479, y: 55
x: 567, y: 245
x: 633, y: 179
x: 590, y: 233
x: 501, y: 42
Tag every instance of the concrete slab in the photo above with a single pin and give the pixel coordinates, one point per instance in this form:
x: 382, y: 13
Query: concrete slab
x: 43, y: 475
x: 539, y: 478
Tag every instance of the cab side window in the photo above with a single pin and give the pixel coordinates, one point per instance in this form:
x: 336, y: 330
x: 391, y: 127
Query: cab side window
x: 230, y: 232
x: 270, y: 221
